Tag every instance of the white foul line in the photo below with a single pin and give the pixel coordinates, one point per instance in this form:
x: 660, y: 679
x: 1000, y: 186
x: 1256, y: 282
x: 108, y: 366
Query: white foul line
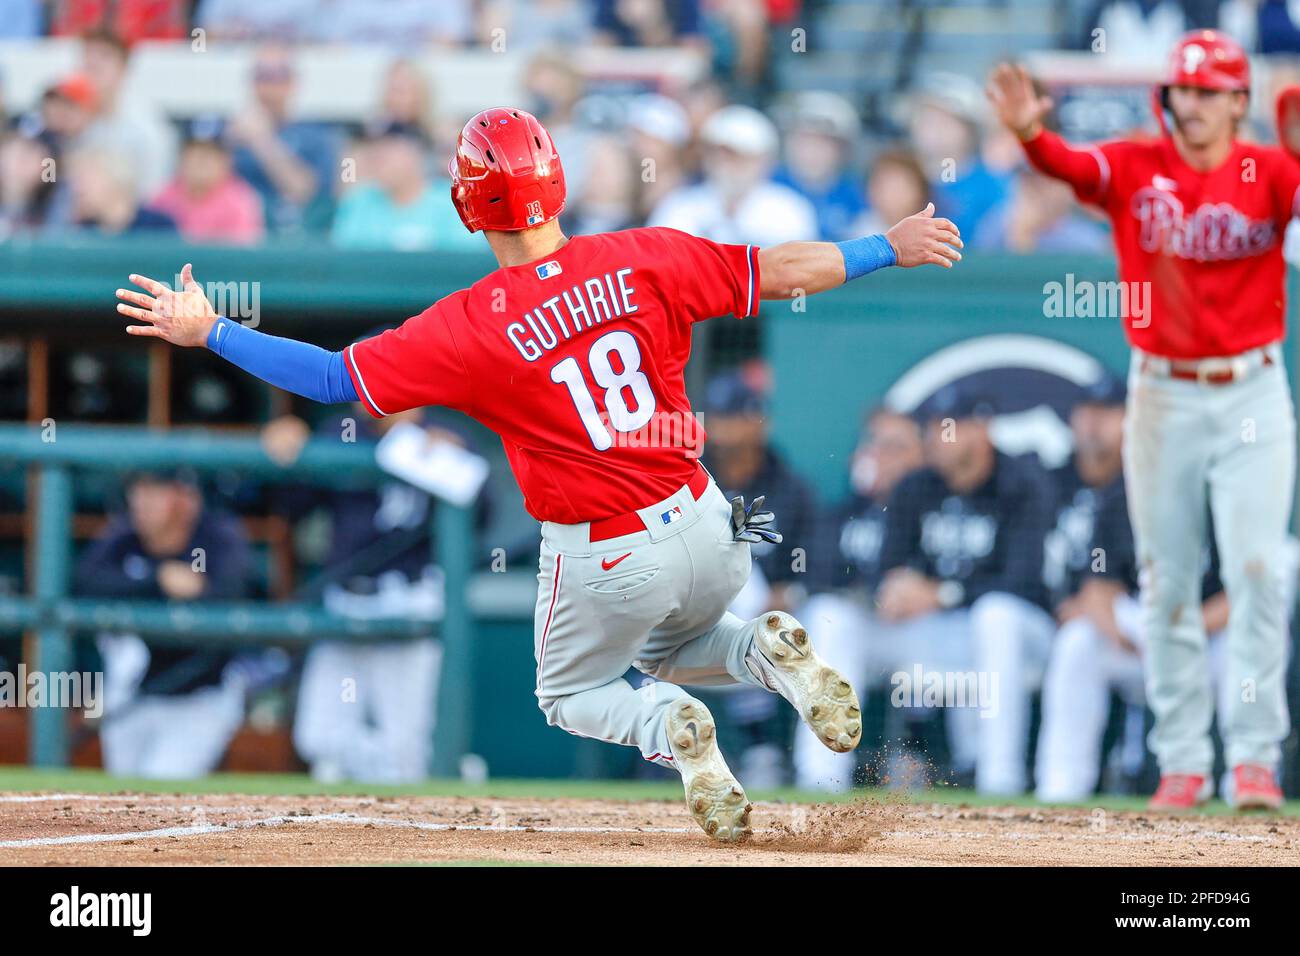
x: 208, y: 828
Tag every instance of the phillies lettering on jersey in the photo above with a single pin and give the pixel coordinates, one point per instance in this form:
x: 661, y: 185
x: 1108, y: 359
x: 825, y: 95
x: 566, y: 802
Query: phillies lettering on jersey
x: 581, y: 376
x: 1208, y: 243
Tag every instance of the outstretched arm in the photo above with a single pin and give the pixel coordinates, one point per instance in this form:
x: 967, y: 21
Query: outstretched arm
x: 1021, y: 110
x: 186, y: 318
x: 804, y: 268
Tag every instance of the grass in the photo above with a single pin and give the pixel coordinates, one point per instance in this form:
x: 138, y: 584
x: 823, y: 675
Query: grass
x: 27, y: 779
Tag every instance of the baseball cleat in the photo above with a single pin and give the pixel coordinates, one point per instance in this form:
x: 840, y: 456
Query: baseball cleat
x: 1255, y: 788
x: 1179, y: 791
x: 788, y: 665
x: 713, y: 795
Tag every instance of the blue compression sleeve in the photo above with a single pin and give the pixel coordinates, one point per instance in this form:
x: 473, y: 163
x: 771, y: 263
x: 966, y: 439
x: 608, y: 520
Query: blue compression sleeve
x: 298, y: 367
x: 866, y: 255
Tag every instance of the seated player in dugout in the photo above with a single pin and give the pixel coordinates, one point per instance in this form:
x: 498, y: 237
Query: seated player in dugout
x: 962, y: 565
x: 843, y: 573
x: 573, y: 351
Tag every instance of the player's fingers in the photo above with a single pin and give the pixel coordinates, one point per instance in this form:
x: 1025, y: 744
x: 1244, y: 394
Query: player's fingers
x: 950, y: 253
x: 136, y: 298
x: 145, y: 330
x: 928, y: 211
x: 144, y: 282
x: 187, y: 279
x: 933, y: 258
x: 144, y: 315
x: 951, y: 237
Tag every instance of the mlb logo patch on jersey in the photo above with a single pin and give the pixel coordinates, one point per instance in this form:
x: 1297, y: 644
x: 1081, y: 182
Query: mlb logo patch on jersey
x: 672, y: 514
x: 548, y: 269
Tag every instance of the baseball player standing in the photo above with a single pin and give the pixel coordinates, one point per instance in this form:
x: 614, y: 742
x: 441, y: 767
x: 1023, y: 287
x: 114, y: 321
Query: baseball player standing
x: 573, y: 352
x: 1198, y: 217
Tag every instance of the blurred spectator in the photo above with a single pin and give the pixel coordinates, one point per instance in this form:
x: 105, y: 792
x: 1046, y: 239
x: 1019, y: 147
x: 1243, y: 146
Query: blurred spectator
x: 124, y: 124
x: 945, y: 123
x: 407, y: 99
x: 397, y: 24
x: 1040, y: 215
x: 366, y: 711
x: 290, y: 164
x: 650, y: 23
x: 104, y: 197
x: 170, y: 710
x: 243, y: 20
x: 739, y: 35
x: 738, y: 202
x: 22, y: 20
x: 845, y: 570
x: 962, y: 564
x: 533, y: 24
x: 68, y: 108
x: 897, y: 188
x: 743, y: 461
x: 28, y: 167
x: 396, y: 206
x: 604, y: 202
x: 554, y: 85
x: 131, y: 20
x: 208, y: 201
x: 820, y: 130
x: 659, y: 133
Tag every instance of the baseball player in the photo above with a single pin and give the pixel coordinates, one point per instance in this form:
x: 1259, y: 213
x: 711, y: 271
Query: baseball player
x: 845, y: 569
x: 962, y: 568
x: 1198, y: 217
x: 573, y: 352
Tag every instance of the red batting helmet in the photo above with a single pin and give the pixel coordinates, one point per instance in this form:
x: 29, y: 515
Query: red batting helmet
x: 1206, y: 59
x: 506, y: 173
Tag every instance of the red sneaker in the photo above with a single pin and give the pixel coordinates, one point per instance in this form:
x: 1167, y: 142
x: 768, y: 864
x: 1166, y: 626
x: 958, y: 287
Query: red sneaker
x: 1255, y: 788
x: 1178, y: 791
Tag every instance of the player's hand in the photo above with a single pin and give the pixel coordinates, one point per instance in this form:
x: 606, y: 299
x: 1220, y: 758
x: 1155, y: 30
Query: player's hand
x: 923, y: 240
x: 179, y: 581
x: 906, y: 593
x: 181, y: 318
x: 1018, y: 105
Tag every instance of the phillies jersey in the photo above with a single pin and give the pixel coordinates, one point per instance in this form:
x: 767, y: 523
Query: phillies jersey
x: 1209, y: 244
x: 576, y: 361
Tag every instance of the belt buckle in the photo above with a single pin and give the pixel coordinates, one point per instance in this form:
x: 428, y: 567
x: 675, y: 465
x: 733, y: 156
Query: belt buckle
x: 1206, y: 368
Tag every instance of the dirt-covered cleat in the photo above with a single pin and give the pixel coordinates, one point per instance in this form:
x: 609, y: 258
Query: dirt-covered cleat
x: 784, y: 659
x: 713, y: 795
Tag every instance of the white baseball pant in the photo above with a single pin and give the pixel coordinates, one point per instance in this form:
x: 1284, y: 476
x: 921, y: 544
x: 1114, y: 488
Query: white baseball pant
x: 999, y: 643
x: 656, y: 599
x: 1233, y: 446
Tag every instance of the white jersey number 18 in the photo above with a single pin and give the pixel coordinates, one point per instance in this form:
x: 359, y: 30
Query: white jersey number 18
x: 621, y: 418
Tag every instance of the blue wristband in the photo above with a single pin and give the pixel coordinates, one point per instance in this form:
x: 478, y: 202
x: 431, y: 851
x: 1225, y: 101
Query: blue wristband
x: 296, y: 367
x: 865, y: 255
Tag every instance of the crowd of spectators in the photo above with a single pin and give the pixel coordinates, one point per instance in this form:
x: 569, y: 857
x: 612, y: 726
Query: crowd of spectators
x: 728, y: 156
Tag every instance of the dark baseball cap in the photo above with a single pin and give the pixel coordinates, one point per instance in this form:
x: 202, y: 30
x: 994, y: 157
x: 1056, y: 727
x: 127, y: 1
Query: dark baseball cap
x: 957, y: 403
x: 1107, y: 390
x: 730, y: 394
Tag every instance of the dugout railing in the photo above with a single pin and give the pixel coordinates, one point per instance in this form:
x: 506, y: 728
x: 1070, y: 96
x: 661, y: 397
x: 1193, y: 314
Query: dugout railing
x: 53, y: 616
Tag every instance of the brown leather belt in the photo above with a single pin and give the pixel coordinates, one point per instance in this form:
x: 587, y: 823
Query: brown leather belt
x: 1206, y: 371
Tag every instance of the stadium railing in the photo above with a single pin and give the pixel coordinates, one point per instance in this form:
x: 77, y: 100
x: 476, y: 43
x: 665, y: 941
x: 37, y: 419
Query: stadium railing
x: 54, y: 616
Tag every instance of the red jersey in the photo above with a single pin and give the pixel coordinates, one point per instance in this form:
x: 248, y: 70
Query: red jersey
x: 1209, y: 244
x: 576, y: 361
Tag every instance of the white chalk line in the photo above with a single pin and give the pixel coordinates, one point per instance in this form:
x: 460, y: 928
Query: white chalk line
x: 204, y: 829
